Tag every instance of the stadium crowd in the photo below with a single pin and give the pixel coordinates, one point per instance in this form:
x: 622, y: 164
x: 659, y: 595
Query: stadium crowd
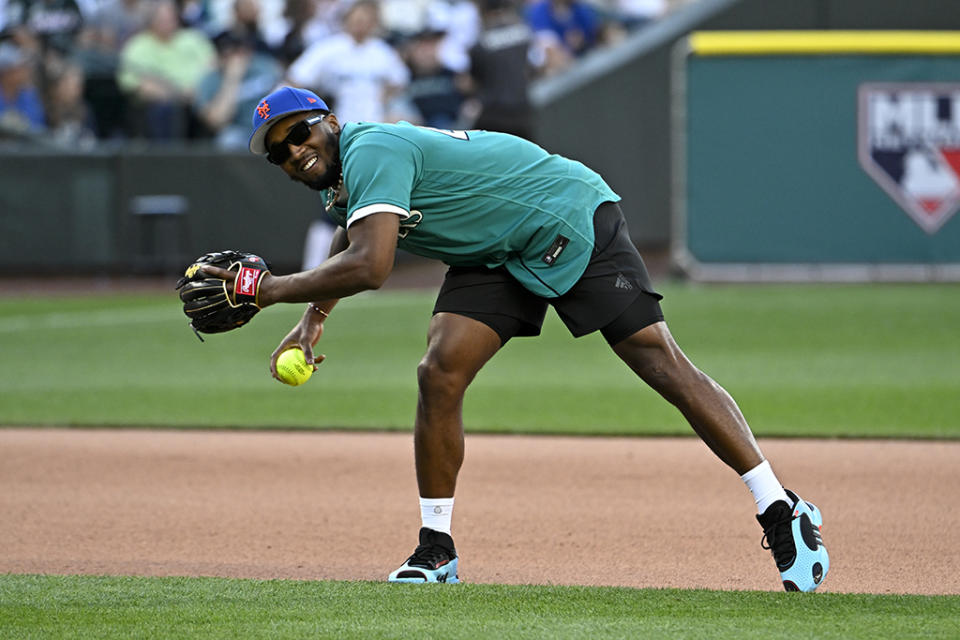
x: 80, y: 73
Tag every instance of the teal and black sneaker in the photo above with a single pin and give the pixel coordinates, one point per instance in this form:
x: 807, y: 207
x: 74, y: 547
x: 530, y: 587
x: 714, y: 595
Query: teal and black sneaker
x: 434, y: 560
x: 792, y: 534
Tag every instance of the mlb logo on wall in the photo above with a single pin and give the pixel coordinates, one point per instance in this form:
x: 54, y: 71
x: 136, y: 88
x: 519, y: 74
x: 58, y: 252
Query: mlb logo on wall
x: 909, y: 142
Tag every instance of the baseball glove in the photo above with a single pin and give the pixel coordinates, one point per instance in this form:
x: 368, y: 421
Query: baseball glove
x: 209, y: 302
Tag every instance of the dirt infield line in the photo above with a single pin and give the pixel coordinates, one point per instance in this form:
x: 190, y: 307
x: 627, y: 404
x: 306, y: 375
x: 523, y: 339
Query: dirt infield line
x: 540, y: 510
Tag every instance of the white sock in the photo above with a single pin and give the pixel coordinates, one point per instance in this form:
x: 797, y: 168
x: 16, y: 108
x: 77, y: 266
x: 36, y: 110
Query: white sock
x: 436, y: 513
x: 764, y: 486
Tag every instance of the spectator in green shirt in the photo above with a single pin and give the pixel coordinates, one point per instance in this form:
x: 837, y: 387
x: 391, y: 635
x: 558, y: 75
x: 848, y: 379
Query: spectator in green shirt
x: 160, y: 69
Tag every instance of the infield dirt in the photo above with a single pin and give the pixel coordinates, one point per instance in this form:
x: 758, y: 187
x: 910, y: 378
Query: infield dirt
x: 541, y: 510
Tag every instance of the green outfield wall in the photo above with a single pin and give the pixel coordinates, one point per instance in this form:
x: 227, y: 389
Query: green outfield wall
x: 817, y: 155
x: 148, y: 211
x: 613, y: 111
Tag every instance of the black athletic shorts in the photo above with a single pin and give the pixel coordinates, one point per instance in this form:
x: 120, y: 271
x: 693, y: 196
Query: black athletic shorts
x: 614, y: 294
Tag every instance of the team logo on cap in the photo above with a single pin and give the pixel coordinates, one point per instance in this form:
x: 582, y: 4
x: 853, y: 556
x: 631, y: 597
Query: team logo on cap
x: 909, y: 143
x: 263, y: 110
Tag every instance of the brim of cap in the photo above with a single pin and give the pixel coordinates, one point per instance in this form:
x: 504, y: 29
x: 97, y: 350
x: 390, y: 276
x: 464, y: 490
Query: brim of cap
x: 257, y: 144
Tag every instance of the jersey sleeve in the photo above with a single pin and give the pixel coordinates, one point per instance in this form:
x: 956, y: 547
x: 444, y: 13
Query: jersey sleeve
x: 380, y: 172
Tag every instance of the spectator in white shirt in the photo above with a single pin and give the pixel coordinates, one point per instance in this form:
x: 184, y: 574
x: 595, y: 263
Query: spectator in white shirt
x: 356, y: 69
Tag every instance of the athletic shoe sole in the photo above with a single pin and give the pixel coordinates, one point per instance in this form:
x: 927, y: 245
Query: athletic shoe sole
x: 810, y: 567
x: 420, y: 575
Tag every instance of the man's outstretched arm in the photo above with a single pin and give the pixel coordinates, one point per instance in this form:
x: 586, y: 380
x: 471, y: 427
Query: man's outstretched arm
x: 365, y: 264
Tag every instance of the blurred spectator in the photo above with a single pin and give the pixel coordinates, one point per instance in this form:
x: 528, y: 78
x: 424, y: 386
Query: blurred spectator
x: 197, y: 14
x: 118, y: 20
x: 433, y: 87
x: 306, y: 22
x: 46, y: 25
x: 245, y: 27
x: 297, y: 14
x: 460, y: 22
x: 573, y: 23
x: 501, y: 70
x: 21, y: 107
x: 68, y: 117
x: 637, y: 13
x: 403, y: 18
x: 359, y: 71
x: 160, y: 69
x: 97, y: 51
x: 228, y: 95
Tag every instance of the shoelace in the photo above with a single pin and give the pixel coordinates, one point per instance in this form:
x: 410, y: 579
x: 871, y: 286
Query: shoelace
x: 780, y: 540
x: 428, y: 556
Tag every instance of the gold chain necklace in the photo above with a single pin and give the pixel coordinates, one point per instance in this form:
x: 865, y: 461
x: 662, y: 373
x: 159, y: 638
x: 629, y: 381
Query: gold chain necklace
x: 333, y: 194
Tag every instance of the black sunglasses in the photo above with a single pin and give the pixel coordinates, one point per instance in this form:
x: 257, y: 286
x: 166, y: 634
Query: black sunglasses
x: 279, y: 152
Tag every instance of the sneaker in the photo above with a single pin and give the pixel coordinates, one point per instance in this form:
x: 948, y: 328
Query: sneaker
x: 434, y: 560
x: 792, y: 534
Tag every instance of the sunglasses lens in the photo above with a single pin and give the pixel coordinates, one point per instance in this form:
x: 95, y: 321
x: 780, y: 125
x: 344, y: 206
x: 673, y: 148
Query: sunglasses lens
x: 299, y: 133
x: 280, y: 152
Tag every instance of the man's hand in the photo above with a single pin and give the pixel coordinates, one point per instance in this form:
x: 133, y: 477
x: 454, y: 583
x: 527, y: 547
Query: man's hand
x: 223, y: 274
x: 225, y: 297
x: 305, y: 336
x: 230, y: 278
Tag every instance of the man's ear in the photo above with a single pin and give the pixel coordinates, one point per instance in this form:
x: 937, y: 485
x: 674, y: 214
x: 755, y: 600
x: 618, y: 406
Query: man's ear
x: 331, y: 120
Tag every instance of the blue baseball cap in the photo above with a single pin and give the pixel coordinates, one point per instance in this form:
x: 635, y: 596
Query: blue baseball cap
x: 277, y: 104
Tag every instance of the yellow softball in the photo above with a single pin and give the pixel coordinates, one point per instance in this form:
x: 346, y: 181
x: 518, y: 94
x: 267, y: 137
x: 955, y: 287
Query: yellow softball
x: 292, y: 368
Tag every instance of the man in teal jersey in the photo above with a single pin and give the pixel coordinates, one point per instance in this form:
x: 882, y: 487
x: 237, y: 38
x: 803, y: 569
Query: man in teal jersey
x: 521, y: 230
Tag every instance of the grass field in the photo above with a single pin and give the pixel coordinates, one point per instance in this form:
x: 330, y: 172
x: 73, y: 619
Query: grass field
x: 128, y: 608
x: 852, y: 361
x: 846, y: 360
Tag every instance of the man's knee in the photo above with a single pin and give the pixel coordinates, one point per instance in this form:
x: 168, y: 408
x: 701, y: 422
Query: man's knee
x: 442, y: 374
x: 654, y: 356
x: 457, y: 347
x: 434, y: 375
x: 660, y: 368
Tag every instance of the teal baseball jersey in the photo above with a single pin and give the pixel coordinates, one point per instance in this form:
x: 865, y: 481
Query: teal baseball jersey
x: 475, y: 198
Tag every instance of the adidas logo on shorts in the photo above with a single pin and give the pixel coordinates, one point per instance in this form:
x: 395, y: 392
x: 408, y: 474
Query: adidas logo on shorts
x: 623, y: 283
